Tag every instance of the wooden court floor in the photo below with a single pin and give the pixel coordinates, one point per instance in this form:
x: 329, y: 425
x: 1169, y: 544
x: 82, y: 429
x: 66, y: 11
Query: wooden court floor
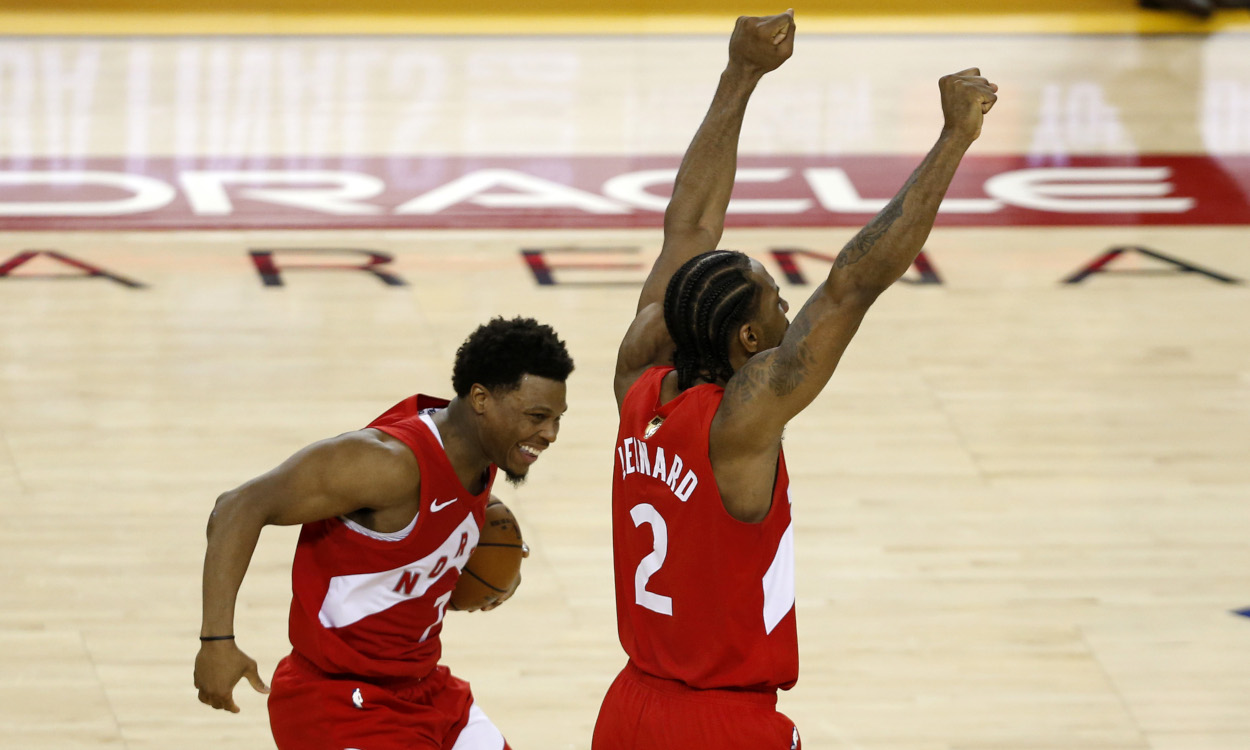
x: 1022, y: 505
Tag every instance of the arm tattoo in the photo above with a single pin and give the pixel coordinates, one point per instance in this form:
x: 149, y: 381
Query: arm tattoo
x: 783, y: 371
x: 747, y: 381
x: 862, y: 244
x: 790, y: 365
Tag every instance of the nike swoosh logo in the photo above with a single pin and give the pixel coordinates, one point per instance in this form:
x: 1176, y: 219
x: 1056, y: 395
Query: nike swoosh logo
x: 435, y: 506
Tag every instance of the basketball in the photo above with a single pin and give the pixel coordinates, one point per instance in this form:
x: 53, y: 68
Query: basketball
x: 495, y: 565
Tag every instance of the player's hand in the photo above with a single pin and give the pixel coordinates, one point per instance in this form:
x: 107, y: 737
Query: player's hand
x: 218, y: 668
x: 762, y: 44
x: 525, y: 552
x: 966, y: 99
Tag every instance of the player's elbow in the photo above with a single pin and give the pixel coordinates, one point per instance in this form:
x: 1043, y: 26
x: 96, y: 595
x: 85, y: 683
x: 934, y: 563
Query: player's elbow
x: 856, y: 293
x: 692, y: 231
x: 227, y: 511
x: 221, y: 509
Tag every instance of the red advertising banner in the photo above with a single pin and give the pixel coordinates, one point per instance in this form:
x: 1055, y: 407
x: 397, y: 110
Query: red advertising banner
x: 473, y: 192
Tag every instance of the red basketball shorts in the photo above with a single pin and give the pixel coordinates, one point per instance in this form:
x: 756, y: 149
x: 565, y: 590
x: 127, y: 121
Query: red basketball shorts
x: 643, y: 712
x: 310, y: 710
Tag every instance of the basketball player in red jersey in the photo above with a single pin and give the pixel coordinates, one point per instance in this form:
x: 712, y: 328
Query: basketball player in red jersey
x: 707, y: 377
x: 390, y: 515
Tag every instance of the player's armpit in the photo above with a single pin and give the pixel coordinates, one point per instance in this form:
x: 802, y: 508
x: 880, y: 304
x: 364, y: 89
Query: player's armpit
x: 646, y: 344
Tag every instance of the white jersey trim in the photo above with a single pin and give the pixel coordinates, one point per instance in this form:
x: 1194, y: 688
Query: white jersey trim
x: 382, y: 536
x: 779, y: 582
x: 429, y: 422
x: 479, y: 733
x: 351, y: 598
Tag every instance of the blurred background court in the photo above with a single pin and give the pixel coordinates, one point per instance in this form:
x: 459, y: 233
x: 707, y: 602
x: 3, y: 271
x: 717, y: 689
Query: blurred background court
x: 1022, y: 505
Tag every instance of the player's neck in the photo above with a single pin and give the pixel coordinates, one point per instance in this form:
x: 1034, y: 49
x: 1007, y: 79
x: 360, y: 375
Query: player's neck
x: 461, y: 441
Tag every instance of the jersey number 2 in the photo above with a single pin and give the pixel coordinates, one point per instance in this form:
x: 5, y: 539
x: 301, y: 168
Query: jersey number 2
x: 646, y: 513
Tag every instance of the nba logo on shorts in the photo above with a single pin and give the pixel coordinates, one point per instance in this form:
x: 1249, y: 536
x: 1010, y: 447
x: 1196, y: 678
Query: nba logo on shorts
x: 794, y: 739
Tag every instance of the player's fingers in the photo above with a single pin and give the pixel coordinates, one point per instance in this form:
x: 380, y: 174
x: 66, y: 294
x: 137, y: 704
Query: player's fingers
x: 212, y: 699
x: 781, y: 35
x: 253, y: 676
x: 525, y: 550
x: 778, y: 27
x: 230, y: 705
x: 785, y: 36
x: 969, y: 72
x: 779, y: 21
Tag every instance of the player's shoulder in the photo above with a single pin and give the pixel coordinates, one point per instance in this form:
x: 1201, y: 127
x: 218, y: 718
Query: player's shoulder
x: 368, y: 439
x: 374, y: 451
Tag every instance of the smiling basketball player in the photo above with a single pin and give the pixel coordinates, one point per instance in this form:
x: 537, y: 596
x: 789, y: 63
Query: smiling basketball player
x: 390, y: 515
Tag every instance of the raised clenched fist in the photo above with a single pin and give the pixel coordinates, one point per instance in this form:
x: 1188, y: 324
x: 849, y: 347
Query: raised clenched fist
x: 762, y: 44
x: 966, y: 98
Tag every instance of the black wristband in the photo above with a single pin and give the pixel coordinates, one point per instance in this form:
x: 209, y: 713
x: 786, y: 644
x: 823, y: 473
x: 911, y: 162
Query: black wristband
x: 216, y: 638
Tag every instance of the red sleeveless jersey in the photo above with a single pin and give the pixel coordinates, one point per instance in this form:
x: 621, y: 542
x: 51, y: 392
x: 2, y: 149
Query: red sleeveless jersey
x: 700, y: 597
x: 371, y: 604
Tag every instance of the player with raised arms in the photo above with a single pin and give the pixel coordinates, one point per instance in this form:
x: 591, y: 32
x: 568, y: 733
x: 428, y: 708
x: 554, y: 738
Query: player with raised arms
x: 390, y: 515
x: 707, y: 377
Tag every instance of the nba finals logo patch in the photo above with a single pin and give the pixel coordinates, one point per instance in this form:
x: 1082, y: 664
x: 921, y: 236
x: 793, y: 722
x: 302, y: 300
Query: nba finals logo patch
x: 652, y: 426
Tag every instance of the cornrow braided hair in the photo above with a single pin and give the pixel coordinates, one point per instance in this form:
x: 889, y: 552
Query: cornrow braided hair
x: 707, y: 300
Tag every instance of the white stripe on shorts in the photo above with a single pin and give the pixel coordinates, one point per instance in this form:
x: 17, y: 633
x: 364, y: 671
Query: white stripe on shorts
x: 479, y: 733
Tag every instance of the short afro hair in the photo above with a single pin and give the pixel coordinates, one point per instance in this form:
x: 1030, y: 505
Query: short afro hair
x: 499, y: 353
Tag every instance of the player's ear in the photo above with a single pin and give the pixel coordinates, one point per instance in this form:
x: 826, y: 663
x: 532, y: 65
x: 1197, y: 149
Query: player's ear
x: 749, y: 340
x: 479, y: 395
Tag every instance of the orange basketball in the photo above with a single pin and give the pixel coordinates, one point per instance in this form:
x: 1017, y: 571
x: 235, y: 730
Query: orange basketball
x: 495, y: 565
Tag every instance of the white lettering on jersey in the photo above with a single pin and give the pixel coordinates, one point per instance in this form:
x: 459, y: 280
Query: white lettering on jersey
x: 659, y: 469
x: 642, y: 459
x: 779, y: 582
x: 636, y: 459
x: 352, y: 598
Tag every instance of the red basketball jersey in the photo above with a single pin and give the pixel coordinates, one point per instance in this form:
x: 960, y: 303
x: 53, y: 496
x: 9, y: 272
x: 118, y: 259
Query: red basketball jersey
x: 700, y: 596
x: 371, y: 604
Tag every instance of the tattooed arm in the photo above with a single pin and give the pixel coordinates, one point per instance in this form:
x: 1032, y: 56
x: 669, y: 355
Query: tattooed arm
x: 773, y: 386
x: 884, y: 250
